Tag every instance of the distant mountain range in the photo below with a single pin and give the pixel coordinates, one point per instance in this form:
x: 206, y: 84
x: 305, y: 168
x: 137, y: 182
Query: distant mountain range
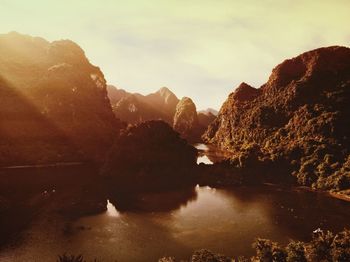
x: 162, y: 105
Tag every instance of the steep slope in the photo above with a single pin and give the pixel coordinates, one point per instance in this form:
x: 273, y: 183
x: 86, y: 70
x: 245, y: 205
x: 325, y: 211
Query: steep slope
x: 161, y: 105
x: 135, y: 108
x: 205, y: 119
x: 53, y: 103
x: 186, y: 119
x: 299, y: 119
x: 115, y: 94
x: 164, y: 99
x: 209, y: 111
x: 150, y: 155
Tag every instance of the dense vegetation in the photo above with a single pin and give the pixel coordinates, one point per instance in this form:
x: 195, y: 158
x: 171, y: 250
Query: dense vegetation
x: 150, y: 154
x: 296, y: 123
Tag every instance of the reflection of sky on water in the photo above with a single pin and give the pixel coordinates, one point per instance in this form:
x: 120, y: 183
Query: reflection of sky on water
x: 145, y: 227
x: 204, y: 159
x: 203, y: 147
x: 209, y: 154
x: 111, y: 210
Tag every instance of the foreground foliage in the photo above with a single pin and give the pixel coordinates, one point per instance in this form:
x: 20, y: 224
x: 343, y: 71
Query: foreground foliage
x: 324, y: 246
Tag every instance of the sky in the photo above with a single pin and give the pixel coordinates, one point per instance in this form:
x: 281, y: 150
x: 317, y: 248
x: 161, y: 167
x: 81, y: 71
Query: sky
x: 198, y: 48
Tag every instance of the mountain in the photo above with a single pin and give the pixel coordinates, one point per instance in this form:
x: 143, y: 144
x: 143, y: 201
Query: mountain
x: 205, y: 119
x: 150, y: 155
x: 164, y: 100
x: 186, y: 119
x: 136, y: 108
x: 298, y: 121
x: 209, y: 111
x: 53, y: 103
x: 115, y: 94
x: 161, y: 105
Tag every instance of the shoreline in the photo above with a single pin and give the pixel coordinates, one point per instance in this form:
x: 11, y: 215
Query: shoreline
x: 340, y: 195
x: 336, y: 195
x: 42, y: 165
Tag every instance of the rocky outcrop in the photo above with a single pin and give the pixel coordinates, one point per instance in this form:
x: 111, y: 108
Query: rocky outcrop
x: 53, y: 103
x: 298, y: 120
x: 150, y: 155
x: 186, y: 119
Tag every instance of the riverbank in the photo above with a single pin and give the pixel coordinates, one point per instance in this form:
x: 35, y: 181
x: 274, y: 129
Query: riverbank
x: 62, y: 164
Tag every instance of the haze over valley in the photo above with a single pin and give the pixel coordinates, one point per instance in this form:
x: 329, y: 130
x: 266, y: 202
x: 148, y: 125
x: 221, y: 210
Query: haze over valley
x: 195, y: 131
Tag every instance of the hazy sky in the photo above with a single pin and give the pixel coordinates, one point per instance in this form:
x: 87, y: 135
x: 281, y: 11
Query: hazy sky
x: 202, y: 49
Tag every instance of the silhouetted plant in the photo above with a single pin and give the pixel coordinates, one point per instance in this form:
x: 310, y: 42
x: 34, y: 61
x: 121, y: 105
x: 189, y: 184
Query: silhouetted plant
x: 341, y: 246
x: 296, y: 252
x: 321, y: 246
x: 268, y: 251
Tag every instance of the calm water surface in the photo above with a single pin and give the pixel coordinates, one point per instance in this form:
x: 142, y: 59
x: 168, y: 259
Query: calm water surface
x: 149, y: 226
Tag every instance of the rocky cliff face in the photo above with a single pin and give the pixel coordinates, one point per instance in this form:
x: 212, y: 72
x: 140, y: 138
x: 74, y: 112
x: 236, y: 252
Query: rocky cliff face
x: 186, y: 119
x: 165, y: 100
x: 53, y: 103
x: 300, y: 118
x: 161, y: 105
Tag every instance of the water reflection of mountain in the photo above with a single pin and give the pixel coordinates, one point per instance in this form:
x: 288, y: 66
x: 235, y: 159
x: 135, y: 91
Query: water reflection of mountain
x: 153, y: 201
x: 294, y: 211
x: 225, y: 220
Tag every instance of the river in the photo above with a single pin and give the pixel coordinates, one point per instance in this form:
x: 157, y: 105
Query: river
x: 149, y: 226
